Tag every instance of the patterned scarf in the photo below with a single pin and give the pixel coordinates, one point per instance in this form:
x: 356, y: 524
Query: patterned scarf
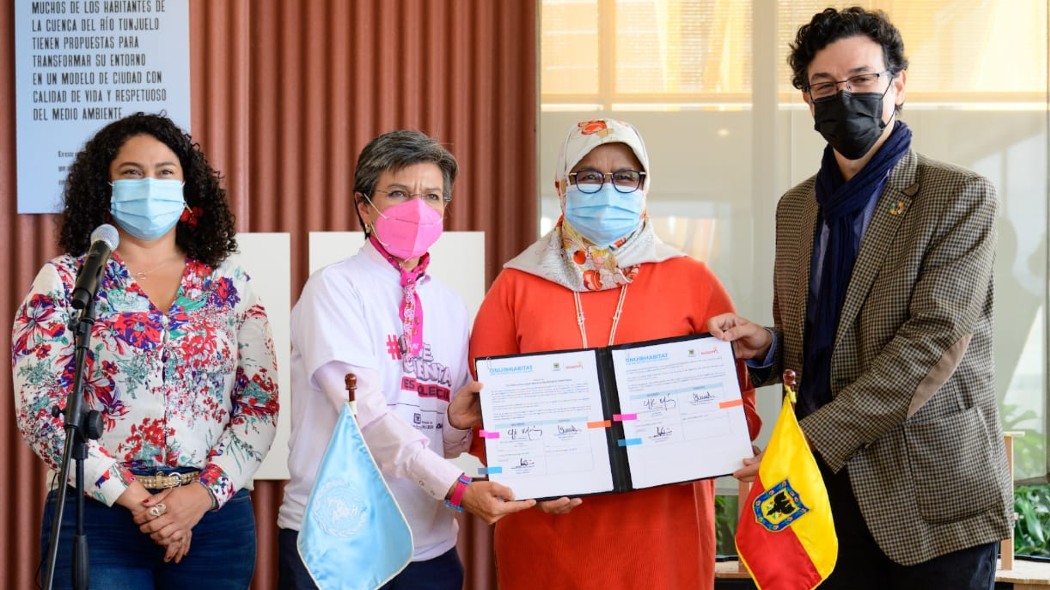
x: 568, y: 259
x: 411, y: 311
x: 841, y: 203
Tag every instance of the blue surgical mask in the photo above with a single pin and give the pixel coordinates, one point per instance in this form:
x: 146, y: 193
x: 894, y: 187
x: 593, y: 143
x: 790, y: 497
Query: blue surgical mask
x: 147, y: 208
x: 605, y: 216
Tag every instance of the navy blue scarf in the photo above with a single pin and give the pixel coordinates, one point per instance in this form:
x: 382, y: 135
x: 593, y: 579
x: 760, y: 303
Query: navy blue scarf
x: 841, y: 203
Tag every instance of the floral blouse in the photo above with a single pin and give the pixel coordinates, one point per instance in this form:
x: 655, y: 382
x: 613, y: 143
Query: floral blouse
x: 196, y: 387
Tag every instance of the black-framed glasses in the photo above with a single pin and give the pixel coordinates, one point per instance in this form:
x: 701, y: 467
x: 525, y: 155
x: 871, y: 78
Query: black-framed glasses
x: 590, y: 181
x: 860, y: 83
x: 400, y: 196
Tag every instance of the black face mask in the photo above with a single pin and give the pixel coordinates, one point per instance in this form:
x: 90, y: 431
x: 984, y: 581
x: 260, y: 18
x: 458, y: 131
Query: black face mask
x: 851, y: 123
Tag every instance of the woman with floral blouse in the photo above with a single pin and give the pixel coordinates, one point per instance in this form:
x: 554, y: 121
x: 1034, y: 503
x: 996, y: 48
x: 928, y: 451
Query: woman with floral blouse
x: 180, y: 365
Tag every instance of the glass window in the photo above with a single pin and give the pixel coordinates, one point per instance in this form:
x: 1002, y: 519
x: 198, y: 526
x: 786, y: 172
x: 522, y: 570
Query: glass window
x: 644, y: 52
x: 569, y: 47
x: 959, y: 51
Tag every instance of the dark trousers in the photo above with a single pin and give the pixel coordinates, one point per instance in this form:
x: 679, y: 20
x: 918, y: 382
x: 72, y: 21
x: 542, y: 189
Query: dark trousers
x: 444, y: 572
x: 121, y: 557
x: 863, y: 566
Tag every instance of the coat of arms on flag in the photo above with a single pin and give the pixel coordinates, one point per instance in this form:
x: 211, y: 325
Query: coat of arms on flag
x: 786, y: 536
x: 778, y: 507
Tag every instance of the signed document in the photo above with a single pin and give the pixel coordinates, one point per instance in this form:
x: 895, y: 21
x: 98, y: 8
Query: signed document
x: 613, y: 419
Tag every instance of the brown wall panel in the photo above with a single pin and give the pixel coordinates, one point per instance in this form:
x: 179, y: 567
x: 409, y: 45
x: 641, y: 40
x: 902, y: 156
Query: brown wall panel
x: 284, y: 94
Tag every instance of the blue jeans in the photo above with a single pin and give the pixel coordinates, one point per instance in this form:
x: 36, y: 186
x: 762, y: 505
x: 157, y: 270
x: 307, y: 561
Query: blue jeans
x: 444, y: 572
x: 120, y: 557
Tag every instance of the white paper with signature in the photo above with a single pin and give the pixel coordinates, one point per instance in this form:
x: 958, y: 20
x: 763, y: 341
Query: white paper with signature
x: 689, y: 420
x: 539, y: 416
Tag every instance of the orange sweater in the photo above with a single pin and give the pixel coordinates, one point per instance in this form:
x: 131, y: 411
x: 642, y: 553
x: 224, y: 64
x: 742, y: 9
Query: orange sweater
x: 654, y: 538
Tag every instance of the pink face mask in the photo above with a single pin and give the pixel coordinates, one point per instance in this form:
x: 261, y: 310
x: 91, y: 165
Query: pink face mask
x: 408, y: 230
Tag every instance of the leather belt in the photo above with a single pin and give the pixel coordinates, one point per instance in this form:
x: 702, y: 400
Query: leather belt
x: 163, y: 481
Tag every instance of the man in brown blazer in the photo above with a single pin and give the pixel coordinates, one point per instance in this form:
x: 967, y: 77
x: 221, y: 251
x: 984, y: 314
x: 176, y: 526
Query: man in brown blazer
x: 883, y: 306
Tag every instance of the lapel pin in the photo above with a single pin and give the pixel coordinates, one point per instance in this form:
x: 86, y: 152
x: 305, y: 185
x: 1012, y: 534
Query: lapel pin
x: 897, y: 208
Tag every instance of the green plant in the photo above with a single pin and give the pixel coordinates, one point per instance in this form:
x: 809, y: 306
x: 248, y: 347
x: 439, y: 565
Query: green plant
x: 725, y: 524
x: 1032, y: 529
x: 1030, y: 447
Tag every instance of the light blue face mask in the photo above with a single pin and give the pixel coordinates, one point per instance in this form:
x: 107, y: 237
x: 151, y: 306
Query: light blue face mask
x: 147, y: 208
x: 605, y: 216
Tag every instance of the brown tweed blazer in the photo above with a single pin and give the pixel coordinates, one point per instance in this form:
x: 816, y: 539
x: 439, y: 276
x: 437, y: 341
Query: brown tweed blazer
x: 913, y: 414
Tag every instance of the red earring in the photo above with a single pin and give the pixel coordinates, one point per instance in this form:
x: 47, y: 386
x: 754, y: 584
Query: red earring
x: 191, y: 216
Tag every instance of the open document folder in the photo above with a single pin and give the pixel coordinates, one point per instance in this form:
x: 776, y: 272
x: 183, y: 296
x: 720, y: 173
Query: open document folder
x: 612, y: 419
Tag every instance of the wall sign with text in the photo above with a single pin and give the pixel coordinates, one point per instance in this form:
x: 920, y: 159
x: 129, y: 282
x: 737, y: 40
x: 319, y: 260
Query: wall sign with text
x: 80, y: 64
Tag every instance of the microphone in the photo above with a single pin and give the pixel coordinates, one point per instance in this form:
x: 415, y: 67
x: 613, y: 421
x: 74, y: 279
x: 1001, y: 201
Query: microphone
x: 104, y: 241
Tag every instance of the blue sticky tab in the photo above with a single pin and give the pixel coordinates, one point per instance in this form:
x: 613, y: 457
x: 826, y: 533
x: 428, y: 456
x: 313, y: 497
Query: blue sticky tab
x: 489, y: 470
x: 629, y: 442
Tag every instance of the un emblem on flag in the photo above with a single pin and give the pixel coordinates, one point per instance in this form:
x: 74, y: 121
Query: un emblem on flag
x: 778, y: 507
x: 340, y: 509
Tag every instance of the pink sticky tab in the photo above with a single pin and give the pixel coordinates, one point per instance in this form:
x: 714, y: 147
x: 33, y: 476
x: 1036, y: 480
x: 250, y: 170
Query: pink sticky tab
x: 489, y: 434
x: 624, y: 417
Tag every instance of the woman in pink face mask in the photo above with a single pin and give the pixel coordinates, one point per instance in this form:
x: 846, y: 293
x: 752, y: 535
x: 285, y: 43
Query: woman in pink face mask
x: 404, y: 217
x: 403, y: 333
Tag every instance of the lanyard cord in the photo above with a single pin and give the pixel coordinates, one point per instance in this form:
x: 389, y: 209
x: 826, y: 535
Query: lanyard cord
x: 580, y: 320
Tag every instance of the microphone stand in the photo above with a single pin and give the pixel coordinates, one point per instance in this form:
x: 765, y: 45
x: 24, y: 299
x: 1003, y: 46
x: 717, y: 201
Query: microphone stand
x: 80, y: 426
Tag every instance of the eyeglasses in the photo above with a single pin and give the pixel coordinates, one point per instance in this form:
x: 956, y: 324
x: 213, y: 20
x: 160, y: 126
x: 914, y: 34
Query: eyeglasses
x: 432, y: 199
x: 591, y: 181
x: 858, y: 83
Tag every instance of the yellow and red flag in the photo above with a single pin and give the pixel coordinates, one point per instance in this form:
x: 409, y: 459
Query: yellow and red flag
x: 786, y: 536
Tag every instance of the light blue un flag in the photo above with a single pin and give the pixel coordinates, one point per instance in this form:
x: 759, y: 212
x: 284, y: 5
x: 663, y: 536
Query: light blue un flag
x: 353, y: 535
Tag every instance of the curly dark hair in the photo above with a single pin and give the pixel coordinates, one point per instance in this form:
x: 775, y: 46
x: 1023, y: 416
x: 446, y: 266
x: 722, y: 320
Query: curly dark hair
x: 831, y: 25
x: 210, y: 239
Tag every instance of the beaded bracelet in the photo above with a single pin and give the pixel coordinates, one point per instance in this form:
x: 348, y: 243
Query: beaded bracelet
x: 211, y: 494
x: 455, y: 501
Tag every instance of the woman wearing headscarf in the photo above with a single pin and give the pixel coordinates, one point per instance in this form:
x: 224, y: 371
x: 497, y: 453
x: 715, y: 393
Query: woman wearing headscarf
x: 602, y: 277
